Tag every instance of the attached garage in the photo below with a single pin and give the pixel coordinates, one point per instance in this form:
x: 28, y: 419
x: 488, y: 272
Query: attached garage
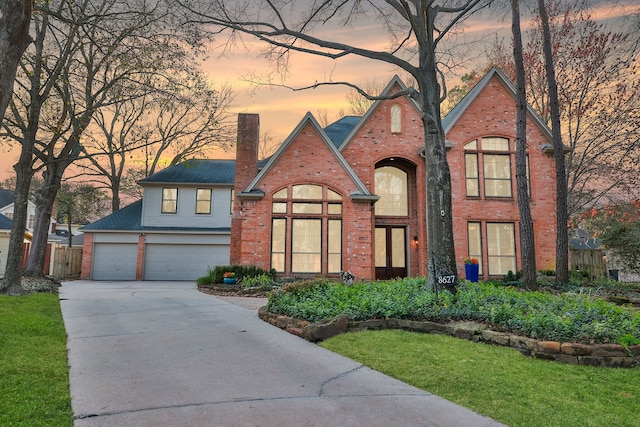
x: 182, y: 261
x: 114, y: 261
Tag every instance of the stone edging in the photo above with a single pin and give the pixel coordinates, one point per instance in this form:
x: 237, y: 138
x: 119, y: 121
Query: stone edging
x: 608, y: 355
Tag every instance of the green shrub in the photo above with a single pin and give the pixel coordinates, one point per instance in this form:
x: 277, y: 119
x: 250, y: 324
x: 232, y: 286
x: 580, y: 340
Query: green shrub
x: 263, y: 281
x: 575, y: 317
x: 216, y: 275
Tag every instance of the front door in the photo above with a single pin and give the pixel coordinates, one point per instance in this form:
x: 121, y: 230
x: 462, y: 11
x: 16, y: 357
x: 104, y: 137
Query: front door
x: 391, y: 258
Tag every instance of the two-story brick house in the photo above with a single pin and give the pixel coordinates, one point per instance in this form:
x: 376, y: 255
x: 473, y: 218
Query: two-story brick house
x: 352, y: 196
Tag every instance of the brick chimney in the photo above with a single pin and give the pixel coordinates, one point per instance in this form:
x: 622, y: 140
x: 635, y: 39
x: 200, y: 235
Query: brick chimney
x: 246, y: 170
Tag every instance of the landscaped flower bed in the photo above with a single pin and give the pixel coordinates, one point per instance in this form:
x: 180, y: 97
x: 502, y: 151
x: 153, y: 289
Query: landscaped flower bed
x: 568, y: 317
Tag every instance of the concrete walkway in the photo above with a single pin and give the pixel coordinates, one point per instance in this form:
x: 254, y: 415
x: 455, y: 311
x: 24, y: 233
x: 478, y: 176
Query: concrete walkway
x: 164, y: 354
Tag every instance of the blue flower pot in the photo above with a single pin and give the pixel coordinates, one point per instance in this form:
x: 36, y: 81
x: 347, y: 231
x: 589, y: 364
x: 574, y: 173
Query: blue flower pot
x: 229, y: 280
x: 471, y: 272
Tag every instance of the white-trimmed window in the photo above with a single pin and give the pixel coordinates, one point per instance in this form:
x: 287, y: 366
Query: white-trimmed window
x: 169, y: 200
x: 391, y: 186
x: 492, y: 156
x: 306, y: 230
x: 396, y: 119
x: 474, y: 241
x: 501, y: 248
x: 203, y: 201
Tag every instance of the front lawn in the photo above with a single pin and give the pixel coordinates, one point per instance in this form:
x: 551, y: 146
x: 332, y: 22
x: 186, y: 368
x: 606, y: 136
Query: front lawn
x: 34, y: 381
x: 499, y: 382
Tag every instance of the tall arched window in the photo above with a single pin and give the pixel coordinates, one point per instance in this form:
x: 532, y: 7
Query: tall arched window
x: 391, y: 186
x: 396, y: 119
x: 306, y: 233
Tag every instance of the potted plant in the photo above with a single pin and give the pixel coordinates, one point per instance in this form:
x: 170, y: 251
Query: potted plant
x: 229, y: 277
x: 471, y: 269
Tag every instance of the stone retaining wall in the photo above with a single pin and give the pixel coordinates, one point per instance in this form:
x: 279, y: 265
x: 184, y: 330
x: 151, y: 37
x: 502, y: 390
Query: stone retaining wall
x: 610, y: 355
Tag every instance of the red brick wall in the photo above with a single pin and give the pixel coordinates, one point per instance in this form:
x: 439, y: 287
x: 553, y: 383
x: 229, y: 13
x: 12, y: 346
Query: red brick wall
x: 87, y: 256
x: 246, y: 170
x: 494, y: 114
x: 307, y: 160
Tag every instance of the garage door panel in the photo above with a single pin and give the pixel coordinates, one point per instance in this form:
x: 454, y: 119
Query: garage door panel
x: 182, y: 262
x: 114, y: 261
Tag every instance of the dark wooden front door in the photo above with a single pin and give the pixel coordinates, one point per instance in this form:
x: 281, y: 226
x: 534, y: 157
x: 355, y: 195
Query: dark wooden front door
x: 391, y: 257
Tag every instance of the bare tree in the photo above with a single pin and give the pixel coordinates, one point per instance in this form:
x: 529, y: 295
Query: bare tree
x: 562, y: 214
x: 82, y: 52
x: 527, y: 243
x: 599, y: 114
x: 15, y: 16
x: 183, y: 117
x: 417, y: 30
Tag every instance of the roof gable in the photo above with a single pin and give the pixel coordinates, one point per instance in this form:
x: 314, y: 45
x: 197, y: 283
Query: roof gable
x: 494, y: 73
x: 195, y: 171
x: 310, y: 120
x: 394, y: 85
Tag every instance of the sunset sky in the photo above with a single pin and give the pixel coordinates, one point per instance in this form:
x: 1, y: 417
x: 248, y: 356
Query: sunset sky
x: 281, y: 109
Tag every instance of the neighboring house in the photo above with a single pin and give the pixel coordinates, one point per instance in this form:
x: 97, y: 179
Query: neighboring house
x: 347, y: 197
x: 6, y: 208
x: 179, y: 229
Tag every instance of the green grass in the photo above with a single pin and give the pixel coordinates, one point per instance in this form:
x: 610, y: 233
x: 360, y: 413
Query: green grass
x: 34, y: 381
x: 499, y: 382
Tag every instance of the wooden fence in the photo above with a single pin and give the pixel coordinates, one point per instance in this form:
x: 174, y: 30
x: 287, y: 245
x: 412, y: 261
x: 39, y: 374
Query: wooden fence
x: 67, y: 262
x: 591, y: 260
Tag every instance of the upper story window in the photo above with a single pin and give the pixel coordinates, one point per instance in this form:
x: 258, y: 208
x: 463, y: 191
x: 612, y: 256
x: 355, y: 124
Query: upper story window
x: 396, y: 119
x: 203, y: 201
x: 492, y: 156
x: 169, y: 200
x: 391, y: 186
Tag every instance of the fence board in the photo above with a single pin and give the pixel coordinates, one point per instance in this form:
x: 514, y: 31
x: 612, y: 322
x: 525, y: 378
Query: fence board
x: 67, y: 262
x: 591, y: 260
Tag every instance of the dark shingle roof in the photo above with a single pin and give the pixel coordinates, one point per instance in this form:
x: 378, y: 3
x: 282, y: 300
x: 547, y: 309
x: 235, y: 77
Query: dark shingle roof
x: 5, y: 223
x: 338, y: 131
x: 195, y: 172
x: 6, y: 198
x: 127, y: 218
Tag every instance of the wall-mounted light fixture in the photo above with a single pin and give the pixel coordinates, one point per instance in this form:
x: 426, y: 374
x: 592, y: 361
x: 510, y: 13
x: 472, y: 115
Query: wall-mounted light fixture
x: 415, y: 240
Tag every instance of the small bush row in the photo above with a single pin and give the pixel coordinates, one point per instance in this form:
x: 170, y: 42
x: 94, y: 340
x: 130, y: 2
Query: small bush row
x: 570, y: 317
x: 241, y: 272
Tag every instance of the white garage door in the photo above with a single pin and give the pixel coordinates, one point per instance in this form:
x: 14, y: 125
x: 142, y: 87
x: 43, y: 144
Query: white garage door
x: 114, y: 261
x: 182, y: 262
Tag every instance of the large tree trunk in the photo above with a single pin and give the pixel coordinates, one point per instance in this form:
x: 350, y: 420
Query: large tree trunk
x: 11, y: 284
x: 527, y: 243
x: 562, y: 219
x: 15, y: 16
x: 442, y: 257
x: 45, y: 199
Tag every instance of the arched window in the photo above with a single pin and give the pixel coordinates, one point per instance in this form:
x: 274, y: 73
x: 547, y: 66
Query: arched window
x: 391, y: 186
x: 396, y: 119
x: 306, y: 233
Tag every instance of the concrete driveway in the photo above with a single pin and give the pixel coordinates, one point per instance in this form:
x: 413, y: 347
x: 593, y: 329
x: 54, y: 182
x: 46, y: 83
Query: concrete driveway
x: 164, y: 354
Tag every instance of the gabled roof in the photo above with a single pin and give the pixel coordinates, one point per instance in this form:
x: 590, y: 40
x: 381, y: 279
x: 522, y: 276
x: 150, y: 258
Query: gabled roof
x: 395, y: 81
x: 5, y: 223
x: 458, y: 111
x: 361, y: 194
x: 6, y: 198
x: 195, y: 171
x: 129, y: 219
